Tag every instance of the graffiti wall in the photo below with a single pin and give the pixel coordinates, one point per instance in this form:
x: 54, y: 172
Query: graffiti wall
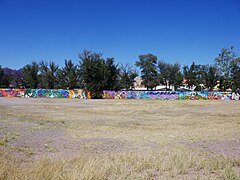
x: 10, y: 92
x: 140, y: 95
x: 45, y: 93
x: 83, y: 94
x: 162, y: 94
x: 193, y: 95
x: 221, y: 96
x: 170, y: 95
x: 57, y: 93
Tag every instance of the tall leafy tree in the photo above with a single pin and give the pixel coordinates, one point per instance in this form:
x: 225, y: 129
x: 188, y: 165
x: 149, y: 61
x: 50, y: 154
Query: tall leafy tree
x: 178, y: 79
x: 224, y: 62
x: 97, y: 74
x: 190, y: 75
x: 48, y: 74
x: 148, y: 65
x: 164, y: 72
x: 68, y: 76
x: 126, y: 77
x: 110, y: 74
x: 169, y: 73
x: 30, y: 75
x: 235, y: 74
x: 43, y: 67
x: 2, y: 84
x: 209, y: 76
x: 91, y: 70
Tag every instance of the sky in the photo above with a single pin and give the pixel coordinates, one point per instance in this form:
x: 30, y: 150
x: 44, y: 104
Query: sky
x: 180, y: 31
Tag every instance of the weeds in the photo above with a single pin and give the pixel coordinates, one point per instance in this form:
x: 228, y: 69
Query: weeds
x: 153, y: 139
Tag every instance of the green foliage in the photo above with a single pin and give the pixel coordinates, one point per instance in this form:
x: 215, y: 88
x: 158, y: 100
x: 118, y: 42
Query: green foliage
x: 209, y: 76
x: 68, y: 76
x: 126, y: 77
x: 90, y: 70
x: 190, y: 74
x: 199, y: 75
x: 30, y: 75
x: 235, y: 74
x: 97, y: 74
x: 148, y: 65
x: 169, y: 73
x: 110, y: 74
x: 48, y: 75
x: 1, y: 77
x: 225, y: 62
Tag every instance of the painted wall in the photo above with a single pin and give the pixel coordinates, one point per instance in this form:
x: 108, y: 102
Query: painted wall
x: 45, y: 93
x: 10, y: 92
x: 83, y: 94
x: 140, y: 94
x: 170, y: 95
x: 58, y: 93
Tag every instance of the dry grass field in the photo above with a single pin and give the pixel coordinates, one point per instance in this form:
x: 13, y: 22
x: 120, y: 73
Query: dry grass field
x: 119, y: 139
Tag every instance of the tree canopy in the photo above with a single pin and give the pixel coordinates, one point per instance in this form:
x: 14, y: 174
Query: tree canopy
x: 148, y: 65
x: 96, y: 73
x: 30, y: 75
x: 169, y: 74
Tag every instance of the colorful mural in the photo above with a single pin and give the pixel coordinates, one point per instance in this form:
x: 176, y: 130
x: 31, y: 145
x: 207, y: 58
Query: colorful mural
x: 162, y: 94
x: 47, y: 93
x: 140, y: 94
x: 193, y: 95
x: 10, y: 92
x: 135, y: 94
x: 220, y: 95
x: 235, y: 96
x: 169, y: 95
x: 80, y: 94
x: 83, y: 94
x: 58, y: 93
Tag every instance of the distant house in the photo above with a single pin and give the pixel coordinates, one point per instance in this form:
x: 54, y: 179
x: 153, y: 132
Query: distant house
x: 185, y: 87
x: 139, y: 86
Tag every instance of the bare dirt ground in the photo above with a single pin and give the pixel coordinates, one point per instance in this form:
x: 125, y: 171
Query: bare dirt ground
x: 128, y: 139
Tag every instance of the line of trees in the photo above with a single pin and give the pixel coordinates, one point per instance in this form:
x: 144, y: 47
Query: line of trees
x: 95, y: 73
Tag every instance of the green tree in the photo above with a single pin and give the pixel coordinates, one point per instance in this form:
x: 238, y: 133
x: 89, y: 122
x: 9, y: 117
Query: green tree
x: 235, y: 74
x: 126, y: 77
x: 169, y: 73
x: 68, y: 77
x: 176, y: 77
x: 110, y: 74
x: 190, y: 75
x: 30, y: 75
x: 148, y: 65
x: 97, y: 74
x: 178, y: 80
x: 164, y: 72
x: 43, y: 67
x: 1, y: 77
x: 48, y: 74
x: 209, y: 76
x: 91, y: 70
x: 224, y: 62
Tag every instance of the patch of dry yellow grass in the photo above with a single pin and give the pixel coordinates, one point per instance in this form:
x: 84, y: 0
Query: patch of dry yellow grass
x: 178, y: 163
x: 156, y: 138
